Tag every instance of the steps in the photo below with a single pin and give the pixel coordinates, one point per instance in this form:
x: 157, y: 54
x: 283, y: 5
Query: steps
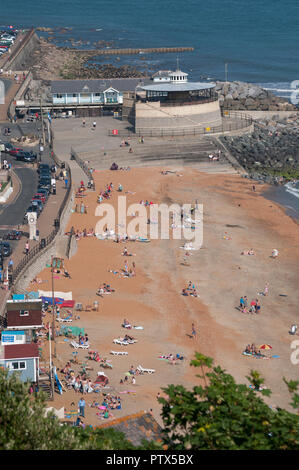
x: 44, y: 384
x: 179, y: 153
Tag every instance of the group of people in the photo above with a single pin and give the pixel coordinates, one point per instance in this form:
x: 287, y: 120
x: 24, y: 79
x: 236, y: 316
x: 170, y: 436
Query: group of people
x: 83, y: 339
x: 252, y: 349
x: 254, y: 306
x: 105, y: 289
x: 80, y: 383
x: 6, y: 166
x: 215, y: 156
x: 106, y: 193
x: 190, y: 290
x: 84, y: 233
x: 110, y: 402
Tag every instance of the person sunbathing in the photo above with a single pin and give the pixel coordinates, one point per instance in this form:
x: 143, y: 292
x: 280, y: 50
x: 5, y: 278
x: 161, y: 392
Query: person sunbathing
x: 184, y: 292
x: 128, y: 338
x: 126, y: 324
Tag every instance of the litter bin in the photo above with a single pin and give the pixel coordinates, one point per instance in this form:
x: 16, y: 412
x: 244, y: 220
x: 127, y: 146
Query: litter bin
x: 56, y: 223
x: 42, y: 243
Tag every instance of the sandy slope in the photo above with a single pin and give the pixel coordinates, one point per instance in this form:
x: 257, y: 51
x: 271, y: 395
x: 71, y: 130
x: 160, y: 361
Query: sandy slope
x: 152, y: 298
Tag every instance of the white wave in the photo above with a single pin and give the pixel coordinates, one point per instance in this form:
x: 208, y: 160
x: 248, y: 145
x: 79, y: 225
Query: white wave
x: 281, y: 90
x: 293, y: 191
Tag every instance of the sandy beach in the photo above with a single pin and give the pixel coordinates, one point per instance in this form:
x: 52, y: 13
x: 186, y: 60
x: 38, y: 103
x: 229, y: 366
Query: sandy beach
x: 236, y: 219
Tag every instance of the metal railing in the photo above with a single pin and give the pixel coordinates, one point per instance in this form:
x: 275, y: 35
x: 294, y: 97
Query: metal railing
x: 44, y: 242
x: 85, y: 168
x: 239, y: 121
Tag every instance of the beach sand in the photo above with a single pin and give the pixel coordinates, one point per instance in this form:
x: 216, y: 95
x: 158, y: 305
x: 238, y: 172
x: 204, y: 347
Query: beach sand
x: 153, y: 297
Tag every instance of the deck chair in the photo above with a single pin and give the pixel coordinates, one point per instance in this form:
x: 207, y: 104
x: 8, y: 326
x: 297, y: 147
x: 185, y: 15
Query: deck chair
x: 148, y: 371
x: 88, y: 308
x: 79, y: 307
x: 95, y: 307
x: 67, y: 320
x: 118, y: 341
x: 119, y: 353
x: 74, y: 344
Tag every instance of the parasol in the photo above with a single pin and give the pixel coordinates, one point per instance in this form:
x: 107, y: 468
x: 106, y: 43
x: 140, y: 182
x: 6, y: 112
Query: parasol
x: 265, y: 346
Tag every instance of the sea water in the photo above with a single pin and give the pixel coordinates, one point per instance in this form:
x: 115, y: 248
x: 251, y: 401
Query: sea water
x: 286, y: 195
x: 258, y: 40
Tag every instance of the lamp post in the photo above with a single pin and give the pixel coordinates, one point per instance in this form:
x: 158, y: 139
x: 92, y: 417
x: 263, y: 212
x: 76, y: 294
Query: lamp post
x: 56, y: 263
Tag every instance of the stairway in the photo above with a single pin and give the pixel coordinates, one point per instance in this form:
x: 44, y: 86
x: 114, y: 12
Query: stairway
x: 180, y: 153
x: 44, y: 383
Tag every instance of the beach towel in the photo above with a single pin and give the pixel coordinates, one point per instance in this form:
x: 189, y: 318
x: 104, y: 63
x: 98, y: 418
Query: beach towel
x: 62, y: 295
x: 68, y: 304
x: 57, y: 300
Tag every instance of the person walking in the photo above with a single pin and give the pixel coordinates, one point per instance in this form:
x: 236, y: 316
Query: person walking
x: 193, y: 333
x: 27, y: 247
x: 242, y: 303
x: 81, y: 406
x: 10, y: 265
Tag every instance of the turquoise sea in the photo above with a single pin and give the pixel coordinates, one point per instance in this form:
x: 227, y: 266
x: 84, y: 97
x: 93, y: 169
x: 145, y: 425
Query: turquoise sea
x: 257, y: 39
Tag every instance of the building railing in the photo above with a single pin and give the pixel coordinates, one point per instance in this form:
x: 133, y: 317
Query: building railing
x: 44, y: 242
x: 235, y: 121
x: 164, y: 102
x: 85, y: 168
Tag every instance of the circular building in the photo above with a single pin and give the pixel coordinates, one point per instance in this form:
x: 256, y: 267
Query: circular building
x: 171, y: 102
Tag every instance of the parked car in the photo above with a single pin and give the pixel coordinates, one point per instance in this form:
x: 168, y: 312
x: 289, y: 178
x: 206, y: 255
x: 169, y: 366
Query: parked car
x: 43, y: 167
x: 45, y: 179
x: 13, y: 235
x: 42, y: 191
x: 27, y: 157
x: 15, y: 150
x: 38, y: 203
x: 8, y: 146
x: 40, y: 197
x: 44, y: 174
x: 5, y: 249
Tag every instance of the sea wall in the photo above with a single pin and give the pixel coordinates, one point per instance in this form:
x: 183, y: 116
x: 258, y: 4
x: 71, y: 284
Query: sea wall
x: 250, y: 97
x: 271, y: 149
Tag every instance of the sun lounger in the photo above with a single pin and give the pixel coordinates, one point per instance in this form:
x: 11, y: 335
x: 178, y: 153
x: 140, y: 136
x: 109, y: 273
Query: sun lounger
x: 149, y: 371
x: 118, y: 341
x: 119, y: 353
x: 67, y: 320
x: 77, y: 345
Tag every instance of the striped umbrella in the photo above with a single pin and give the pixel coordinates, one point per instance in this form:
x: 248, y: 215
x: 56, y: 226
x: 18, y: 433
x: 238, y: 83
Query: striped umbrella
x: 265, y: 346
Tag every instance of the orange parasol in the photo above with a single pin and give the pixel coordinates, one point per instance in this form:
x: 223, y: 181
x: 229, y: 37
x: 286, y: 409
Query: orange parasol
x: 265, y: 346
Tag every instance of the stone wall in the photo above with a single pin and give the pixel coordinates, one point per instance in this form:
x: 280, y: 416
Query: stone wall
x: 247, y: 96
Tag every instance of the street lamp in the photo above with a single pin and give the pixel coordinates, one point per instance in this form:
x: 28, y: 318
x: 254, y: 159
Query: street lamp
x: 56, y: 263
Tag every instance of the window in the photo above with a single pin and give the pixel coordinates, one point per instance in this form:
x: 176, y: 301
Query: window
x: 24, y: 313
x: 17, y: 365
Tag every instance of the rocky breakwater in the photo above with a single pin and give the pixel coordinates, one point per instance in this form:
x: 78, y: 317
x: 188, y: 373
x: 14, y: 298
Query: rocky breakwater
x: 271, y: 152
x: 246, y: 96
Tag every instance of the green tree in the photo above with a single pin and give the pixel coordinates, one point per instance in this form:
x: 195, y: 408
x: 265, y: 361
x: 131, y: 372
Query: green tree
x: 24, y: 426
x: 226, y: 415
